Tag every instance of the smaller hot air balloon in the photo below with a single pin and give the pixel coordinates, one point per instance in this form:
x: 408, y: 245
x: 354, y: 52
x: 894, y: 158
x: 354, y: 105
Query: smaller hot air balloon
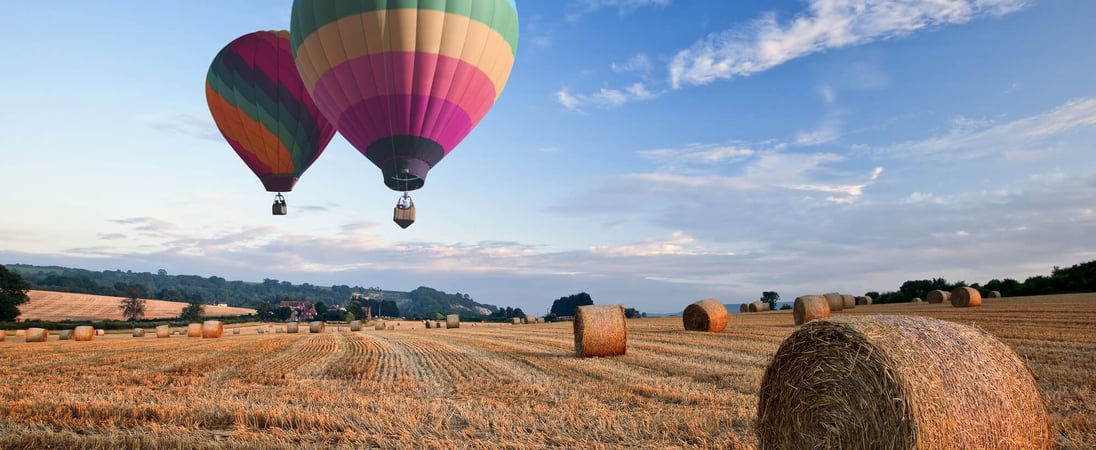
x: 262, y: 109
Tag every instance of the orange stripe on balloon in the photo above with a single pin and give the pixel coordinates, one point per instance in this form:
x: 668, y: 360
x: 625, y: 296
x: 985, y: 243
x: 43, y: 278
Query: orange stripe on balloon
x: 250, y: 133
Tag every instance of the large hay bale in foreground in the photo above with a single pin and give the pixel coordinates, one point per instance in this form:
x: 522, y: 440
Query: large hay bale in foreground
x: 600, y: 330
x: 759, y: 306
x: 63, y: 336
x: 899, y: 382
x: 810, y: 307
x: 36, y: 334
x: 212, y: 329
x: 138, y: 332
x: 83, y: 333
x: 355, y: 325
x: 937, y: 296
x: 705, y: 315
x: 993, y: 294
x: 849, y: 302
x: 194, y: 330
x: 316, y: 327
x: 163, y: 331
x: 965, y: 297
x: 378, y: 326
x: 293, y: 328
x: 452, y: 321
x: 836, y: 301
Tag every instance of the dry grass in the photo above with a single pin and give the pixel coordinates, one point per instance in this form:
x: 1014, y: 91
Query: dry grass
x: 489, y: 386
x: 48, y: 305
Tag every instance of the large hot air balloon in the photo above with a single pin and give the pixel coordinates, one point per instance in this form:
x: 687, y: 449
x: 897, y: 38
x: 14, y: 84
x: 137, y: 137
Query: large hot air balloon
x: 404, y: 81
x: 260, y: 105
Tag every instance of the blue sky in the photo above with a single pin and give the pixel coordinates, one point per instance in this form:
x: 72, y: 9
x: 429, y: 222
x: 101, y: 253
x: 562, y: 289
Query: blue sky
x: 648, y: 152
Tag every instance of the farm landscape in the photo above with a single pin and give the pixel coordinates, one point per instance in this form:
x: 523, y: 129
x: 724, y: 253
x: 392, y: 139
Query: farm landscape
x: 485, y: 386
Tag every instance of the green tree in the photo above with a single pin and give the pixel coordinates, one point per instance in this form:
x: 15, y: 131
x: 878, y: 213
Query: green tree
x: 193, y: 312
x: 265, y: 312
x: 133, y: 304
x: 13, y: 292
x: 283, y: 313
x: 771, y: 298
x: 565, y: 306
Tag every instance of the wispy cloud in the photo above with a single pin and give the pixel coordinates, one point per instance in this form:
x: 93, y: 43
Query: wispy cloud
x: 196, y: 126
x: 639, y: 63
x: 605, y: 97
x: 767, y: 42
x: 1019, y: 140
x: 583, y: 8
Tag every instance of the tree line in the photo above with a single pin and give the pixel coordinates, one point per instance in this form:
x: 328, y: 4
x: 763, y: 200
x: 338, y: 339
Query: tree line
x: 1071, y: 280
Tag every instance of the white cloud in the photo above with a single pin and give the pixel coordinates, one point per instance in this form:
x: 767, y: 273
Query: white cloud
x: 827, y: 24
x: 640, y: 63
x: 678, y: 243
x: 585, y: 7
x: 567, y: 100
x: 605, y: 97
x: 697, y: 153
x: 1019, y: 140
x: 199, y: 126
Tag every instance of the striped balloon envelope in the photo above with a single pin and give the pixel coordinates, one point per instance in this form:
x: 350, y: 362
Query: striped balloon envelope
x: 260, y: 105
x: 404, y: 81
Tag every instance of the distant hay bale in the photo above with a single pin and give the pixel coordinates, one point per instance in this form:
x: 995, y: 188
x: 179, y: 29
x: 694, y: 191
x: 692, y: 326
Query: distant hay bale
x: 836, y: 301
x: 917, y: 300
x: 437, y: 324
x: 378, y: 326
x: 64, y: 336
x: 212, y: 329
x: 163, y: 331
x: 293, y: 328
x: 316, y: 327
x: 138, y: 332
x: 36, y: 334
x: 928, y: 383
x: 600, y: 330
x: 745, y: 307
x: 993, y: 294
x: 867, y: 300
x: 810, y: 307
x: 452, y: 321
x: 235, y: 331
x: 707, y: 315
x: 391, y: 328
x: 539, y: 320
x: 965, y: 297
x: 530, y: 319
x: 427, y: 324
x: 759, y: 306
x: 356, y: 325
x: 515, y: 321
x: 83, y: 333
x: 279, y: 330
x: 260, y: 330
x: 20, y: 333
x: 849, y: 301
x: 3, y: 335
x: 194, y: 330
x: 936, y: 296
x: 100, y: 332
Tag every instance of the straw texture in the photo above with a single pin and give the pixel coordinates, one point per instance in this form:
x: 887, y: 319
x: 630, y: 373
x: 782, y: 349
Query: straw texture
x: 705, y: 315
x: 810, y: 307
x: 355, y: 325
x: 837, y: 302
x: 138, y: 332
x: 452, y: 321
x: 293, y: 327
x: 316, y: 327
x: 965, y: 297
x: 63, y: 336
x: 378, y: 326
x: 194, y: 330
x: 36, y: 334
x: 212, y: 329
x: 937, y: 296
x: 163, y: 331
x: 600, y: 330
x: 83, y: 333
x: 759, y: 306
x: 993, y: 294
x: 896, y: 381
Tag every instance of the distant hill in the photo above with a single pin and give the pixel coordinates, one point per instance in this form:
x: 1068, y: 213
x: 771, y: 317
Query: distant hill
x: 424, y: 302
x: 56, y: 306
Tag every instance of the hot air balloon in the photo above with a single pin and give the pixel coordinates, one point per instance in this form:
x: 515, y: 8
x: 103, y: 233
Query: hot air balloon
x: 404, y: 81
x: 260, y: 105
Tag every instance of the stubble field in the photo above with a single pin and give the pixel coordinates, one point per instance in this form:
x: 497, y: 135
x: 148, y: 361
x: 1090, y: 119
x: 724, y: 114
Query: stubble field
x: 490, y: 386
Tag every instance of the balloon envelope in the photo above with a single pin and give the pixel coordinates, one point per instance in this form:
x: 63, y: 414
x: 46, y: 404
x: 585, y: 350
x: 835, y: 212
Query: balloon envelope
x: 260, y: 105
x: 404, y: 81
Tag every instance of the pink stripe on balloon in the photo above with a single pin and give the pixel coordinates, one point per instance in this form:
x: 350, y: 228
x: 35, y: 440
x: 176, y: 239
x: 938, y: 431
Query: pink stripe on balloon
x: 398, y: 73
x: 273, y: 56
x: 379, y: 117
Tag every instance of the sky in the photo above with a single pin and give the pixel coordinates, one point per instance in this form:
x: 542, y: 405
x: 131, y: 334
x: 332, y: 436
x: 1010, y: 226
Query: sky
x: 651, y: 153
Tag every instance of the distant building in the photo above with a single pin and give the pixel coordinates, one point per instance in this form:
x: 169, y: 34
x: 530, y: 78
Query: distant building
x: 302, y: 310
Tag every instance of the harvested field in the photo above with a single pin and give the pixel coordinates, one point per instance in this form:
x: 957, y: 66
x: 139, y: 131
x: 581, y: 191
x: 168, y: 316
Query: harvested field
x: 49, y: 305
x: 489, y: 386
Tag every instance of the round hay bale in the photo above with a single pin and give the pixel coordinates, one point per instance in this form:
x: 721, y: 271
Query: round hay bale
x: 515, y: 321
x: 64, y: 336
x: 810, y: 307
x: 993, y: 294
x: 836, y: 301
x: 20, y: 333
x: 452, y: 321
x: 260, y: 330
x: 3, y: 335
x: 965, y: 297
x: 36, y: 334
x: 355, y: 325
x: 530, y: 319
x: 759, y: 306
x: 928, y: 384
x: 235, y: 331
x: 212, y: 329
x: 867, y: 300
x: 438, y: 324
x: 194, y: 330
x: 163, y: 331
x: 391, y: 328
x: 293, y: 328
x: 427, y: 324
x: 316, y: 327
x: 83, y: 333
x: 849, y: 301
x: 745, y: 307
x: 100, y: 332
x: 279, y: 330
x: 936, y: 296
x: 378, y: 326
x: 539, y: 320
x: 705, y: 315
x: 600, y: 330
x: 138, y: 332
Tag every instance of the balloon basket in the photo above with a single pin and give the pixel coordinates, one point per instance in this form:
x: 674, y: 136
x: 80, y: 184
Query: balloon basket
x: 279, y: 208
